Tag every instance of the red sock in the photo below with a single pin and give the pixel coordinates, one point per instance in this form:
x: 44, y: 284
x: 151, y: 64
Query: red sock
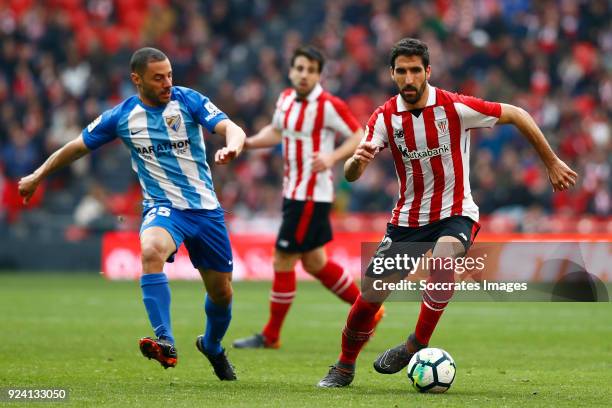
x: 359, y: 327
x: 433, y: 304
x: 428, y: 319
x: 336, y: 279
x: 281, y: 297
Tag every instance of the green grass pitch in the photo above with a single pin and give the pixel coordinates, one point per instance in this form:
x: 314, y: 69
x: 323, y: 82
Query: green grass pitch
x: 80, y: 332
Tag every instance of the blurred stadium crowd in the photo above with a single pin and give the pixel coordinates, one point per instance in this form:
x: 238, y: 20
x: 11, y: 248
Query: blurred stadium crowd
x: 63, y: 62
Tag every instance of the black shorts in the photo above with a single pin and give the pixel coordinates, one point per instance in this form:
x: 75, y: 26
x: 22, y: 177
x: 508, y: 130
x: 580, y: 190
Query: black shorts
x: 305, y: 226
x: 422, y: 239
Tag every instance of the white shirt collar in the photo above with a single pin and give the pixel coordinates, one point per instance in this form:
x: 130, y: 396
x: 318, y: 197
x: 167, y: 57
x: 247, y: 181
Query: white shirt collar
x: 315, y: 93
x: 431, y: 99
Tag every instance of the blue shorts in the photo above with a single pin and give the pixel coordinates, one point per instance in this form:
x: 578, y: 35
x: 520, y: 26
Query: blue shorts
x: 202, y: 231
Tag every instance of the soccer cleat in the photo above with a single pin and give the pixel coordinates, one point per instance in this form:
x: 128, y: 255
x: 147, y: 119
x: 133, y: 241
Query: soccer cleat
x: 256, y: 341
x: 223, y: 368
x: 337, y: 377
x: 160, y: 350
x: 394, y: 359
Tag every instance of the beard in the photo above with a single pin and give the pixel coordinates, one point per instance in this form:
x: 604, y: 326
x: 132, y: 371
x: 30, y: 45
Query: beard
x: 417, y: 95
x: 302, y: 93
x: 152, y: 96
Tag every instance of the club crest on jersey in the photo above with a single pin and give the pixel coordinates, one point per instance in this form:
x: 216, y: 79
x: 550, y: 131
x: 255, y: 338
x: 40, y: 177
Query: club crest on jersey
x: 442, y: 126
x: 398, y: 133
x: 173, y: 122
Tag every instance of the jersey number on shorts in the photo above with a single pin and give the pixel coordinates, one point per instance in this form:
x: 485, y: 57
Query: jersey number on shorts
x: 382, y: 247
x: 155, y: 211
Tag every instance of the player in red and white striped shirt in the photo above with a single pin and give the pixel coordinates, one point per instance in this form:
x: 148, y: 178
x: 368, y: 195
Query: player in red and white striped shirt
x: 427, y: 130
x: 306, y: 121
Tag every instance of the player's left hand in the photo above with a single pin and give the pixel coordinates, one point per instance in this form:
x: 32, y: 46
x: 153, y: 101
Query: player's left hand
x: 225, y: 155
x: 561, y: 176
x: 27, y: 187
x: 321, y: 162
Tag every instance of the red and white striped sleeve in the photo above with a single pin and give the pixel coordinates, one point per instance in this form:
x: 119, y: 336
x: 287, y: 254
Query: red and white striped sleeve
x: 376, y: 130
x: 279, y: 112
x: 339, y: 117
x: 477, y: 113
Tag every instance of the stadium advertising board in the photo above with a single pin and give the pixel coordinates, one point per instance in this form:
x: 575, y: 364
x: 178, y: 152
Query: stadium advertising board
x: 525, y: 259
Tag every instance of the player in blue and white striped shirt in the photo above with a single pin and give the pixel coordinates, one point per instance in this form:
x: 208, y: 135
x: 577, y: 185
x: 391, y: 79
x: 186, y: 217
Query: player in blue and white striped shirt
x: 162, y: 128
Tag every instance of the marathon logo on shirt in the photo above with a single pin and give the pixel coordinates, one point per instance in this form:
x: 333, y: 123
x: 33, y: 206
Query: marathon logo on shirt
x: 161, y: 149
x: 424, y: 154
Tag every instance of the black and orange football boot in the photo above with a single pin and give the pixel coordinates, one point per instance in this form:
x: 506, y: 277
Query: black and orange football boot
x: 159, y: 349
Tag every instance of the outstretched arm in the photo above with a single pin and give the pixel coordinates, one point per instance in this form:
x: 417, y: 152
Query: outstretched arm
x: 322, y: 162
x: 560, y: 175
x: 71, y: 151
x: 268, y: 136
x: 356, y: 165
x: 234, y: 140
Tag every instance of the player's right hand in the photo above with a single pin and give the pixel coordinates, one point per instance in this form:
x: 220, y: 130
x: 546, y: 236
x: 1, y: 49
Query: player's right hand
x: 225, y: 155
x: 561, y: 176
x: 27, y: 187
x: 365, y: 152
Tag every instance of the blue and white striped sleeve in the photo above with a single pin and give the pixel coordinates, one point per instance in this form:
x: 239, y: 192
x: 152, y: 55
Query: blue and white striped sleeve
x: 101, y: 130
x: 203, y: 110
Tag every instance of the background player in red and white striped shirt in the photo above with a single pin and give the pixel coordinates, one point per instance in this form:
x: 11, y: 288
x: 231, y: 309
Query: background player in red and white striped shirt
x: 306, y: 121
x: 427, y: 130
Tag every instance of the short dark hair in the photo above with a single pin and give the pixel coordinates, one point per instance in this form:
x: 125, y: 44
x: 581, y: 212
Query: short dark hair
x: 409, y: 47
x: 140, y: 59
x: 311, y: 53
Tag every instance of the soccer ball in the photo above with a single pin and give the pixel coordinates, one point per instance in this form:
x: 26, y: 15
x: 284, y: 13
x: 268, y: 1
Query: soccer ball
x: 431, y: 370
